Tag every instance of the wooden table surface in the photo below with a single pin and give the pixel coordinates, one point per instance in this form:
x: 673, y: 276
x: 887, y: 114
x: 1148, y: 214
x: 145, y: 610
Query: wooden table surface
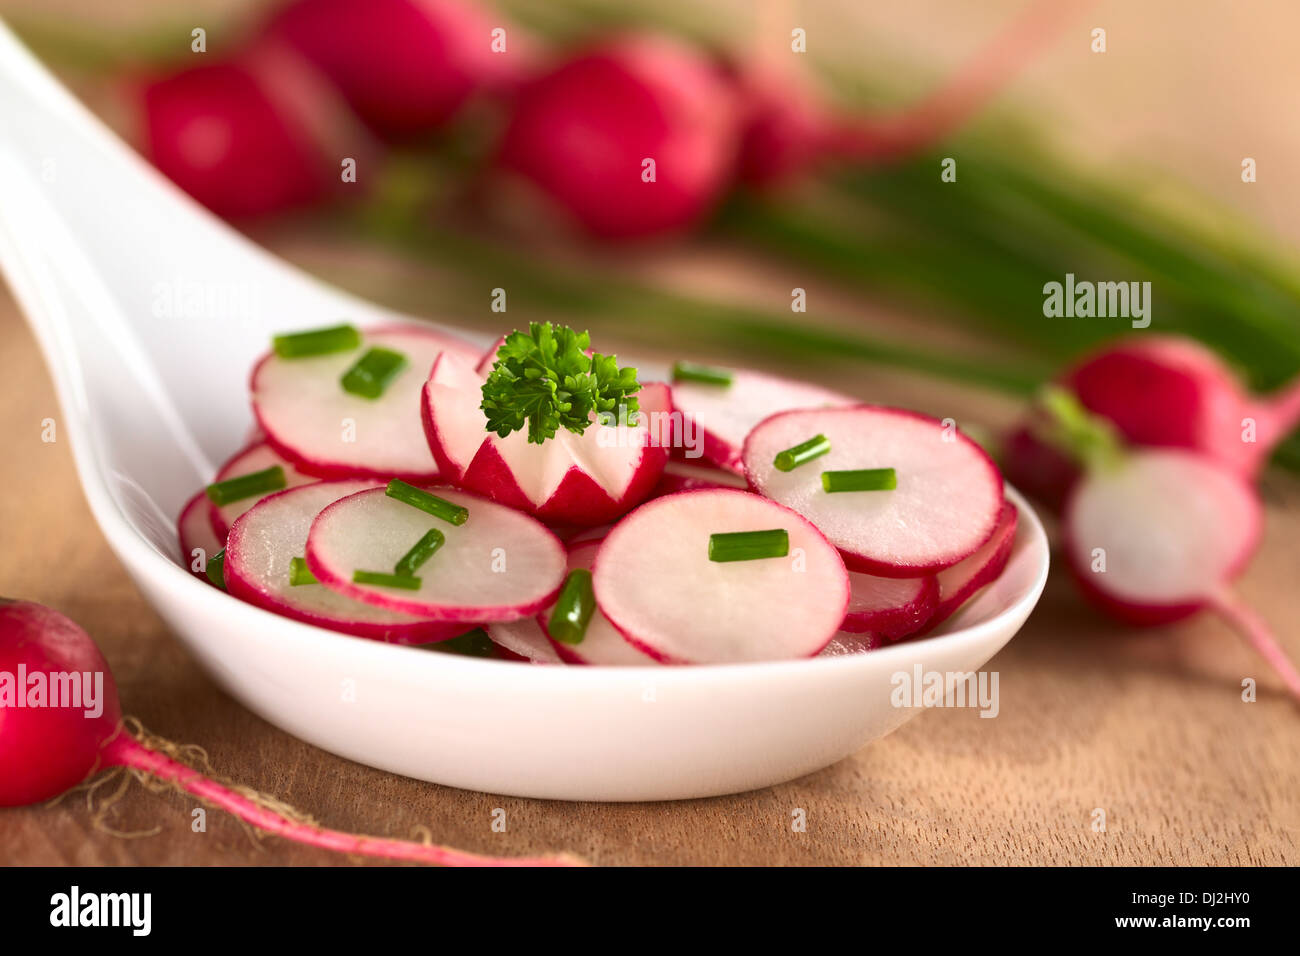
x: 1151, y: 728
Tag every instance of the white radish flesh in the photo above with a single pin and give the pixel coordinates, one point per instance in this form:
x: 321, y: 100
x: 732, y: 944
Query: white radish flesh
x: 198, y: 541
x: 655, y: 582
x: 958, y: 584
x: 601, y: 643
x: 270, y: 535
x: 890, y: 607
x: 524, y: 638
x: 945, y: 506
x: 725, y: 414
x: 255, y: 458
x: 500, y: 565
x: 308, y: 416
x: 1168, y: 528
x: 1161, y: 535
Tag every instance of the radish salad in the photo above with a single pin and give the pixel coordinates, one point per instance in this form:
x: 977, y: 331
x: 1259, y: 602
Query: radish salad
x: 539, y: 502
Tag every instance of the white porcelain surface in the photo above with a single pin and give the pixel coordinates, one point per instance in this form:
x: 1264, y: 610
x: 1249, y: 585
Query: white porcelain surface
x: 89, y: 238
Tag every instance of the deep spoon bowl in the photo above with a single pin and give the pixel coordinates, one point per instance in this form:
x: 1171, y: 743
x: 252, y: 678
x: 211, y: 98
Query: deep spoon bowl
x: 150, y: 313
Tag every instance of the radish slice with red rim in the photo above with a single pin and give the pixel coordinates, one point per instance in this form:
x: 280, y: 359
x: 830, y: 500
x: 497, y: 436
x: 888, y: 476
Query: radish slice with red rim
x: 724, y: 415
x: 1161, y: 534
x: 525, y: 639
x: 958, y: 584
x: 601, y: 643
x: 500, y: 565
x: 198, y: 541
x: 654, y: 580
x: 255, y: 458
x: 264, y: 541
x: 309, y: 418
x: 588, y: 479
x: 1158, y: 535
x: 944, y: 507
x: 890, y: 607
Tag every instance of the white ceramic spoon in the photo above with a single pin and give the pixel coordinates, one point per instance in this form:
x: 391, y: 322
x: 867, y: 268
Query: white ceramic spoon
x: 93, y: 241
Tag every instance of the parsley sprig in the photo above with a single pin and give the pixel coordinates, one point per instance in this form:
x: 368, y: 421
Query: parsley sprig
x: 546, y: 378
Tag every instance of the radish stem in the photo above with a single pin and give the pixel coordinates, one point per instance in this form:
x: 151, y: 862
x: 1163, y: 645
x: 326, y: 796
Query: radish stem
x: 1278, y: 415
x: 123, y: 750
x: 953, y: 103
x: 1247, y: 622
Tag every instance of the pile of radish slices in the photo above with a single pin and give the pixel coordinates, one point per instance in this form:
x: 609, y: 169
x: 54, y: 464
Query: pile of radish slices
x: 539, y: 503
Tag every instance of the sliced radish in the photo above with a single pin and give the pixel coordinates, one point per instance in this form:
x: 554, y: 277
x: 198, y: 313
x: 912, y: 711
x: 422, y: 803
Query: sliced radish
x: 959, y: 583
x: 602, y: 643
x: 944, y: 507
x: 255, y: 458
x: 850, y: 642
x: 655, y: 582
x: 890, y: 607
x: 198, y: 541
x: 1161, y: 535
x: 586, y: 479
x: 489, y: 358
x: 331, y: 433
x: 1168, y: 527
x: 682, y: 476
x: 500, y: 565
x: 273, y: 532
x: 725, y: 414
x: 525, y: 639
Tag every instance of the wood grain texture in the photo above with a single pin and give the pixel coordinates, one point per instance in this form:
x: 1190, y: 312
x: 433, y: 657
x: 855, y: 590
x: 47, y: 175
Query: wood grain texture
x: 1150, y: 727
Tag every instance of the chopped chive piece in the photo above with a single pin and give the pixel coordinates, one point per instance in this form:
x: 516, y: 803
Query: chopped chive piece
x: 421, y: 552
x: 573, y: 609
x: 245, y: 486
x: 792, y: 458
x: 216, y: 569
x: 704, y: 374
x: 476, y: 643
x: 373, y: 372
x: 864, y: 479
x: 749, y: 545
x: 299, y: 573
x: 337, y: 338
x: 430, y: 504
x: 385, y: 580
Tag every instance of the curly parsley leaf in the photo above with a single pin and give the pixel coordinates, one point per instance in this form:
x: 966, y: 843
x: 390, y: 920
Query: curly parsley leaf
x: 544, y: 379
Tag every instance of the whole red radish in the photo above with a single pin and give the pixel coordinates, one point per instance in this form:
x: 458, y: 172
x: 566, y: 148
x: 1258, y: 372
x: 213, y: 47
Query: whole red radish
x: 253, y: 135
x: 1153, y: 535
x: 405, y: 66
x: 633, y: 137
x: 1159, y: 391
x: 1168, y: 391
x: 46, y: 749
x: 61, y: 723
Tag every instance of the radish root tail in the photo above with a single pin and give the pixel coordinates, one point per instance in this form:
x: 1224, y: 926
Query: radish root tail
x: 964, y: 92
x: 1247, y: 622
x: 162, y: 764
